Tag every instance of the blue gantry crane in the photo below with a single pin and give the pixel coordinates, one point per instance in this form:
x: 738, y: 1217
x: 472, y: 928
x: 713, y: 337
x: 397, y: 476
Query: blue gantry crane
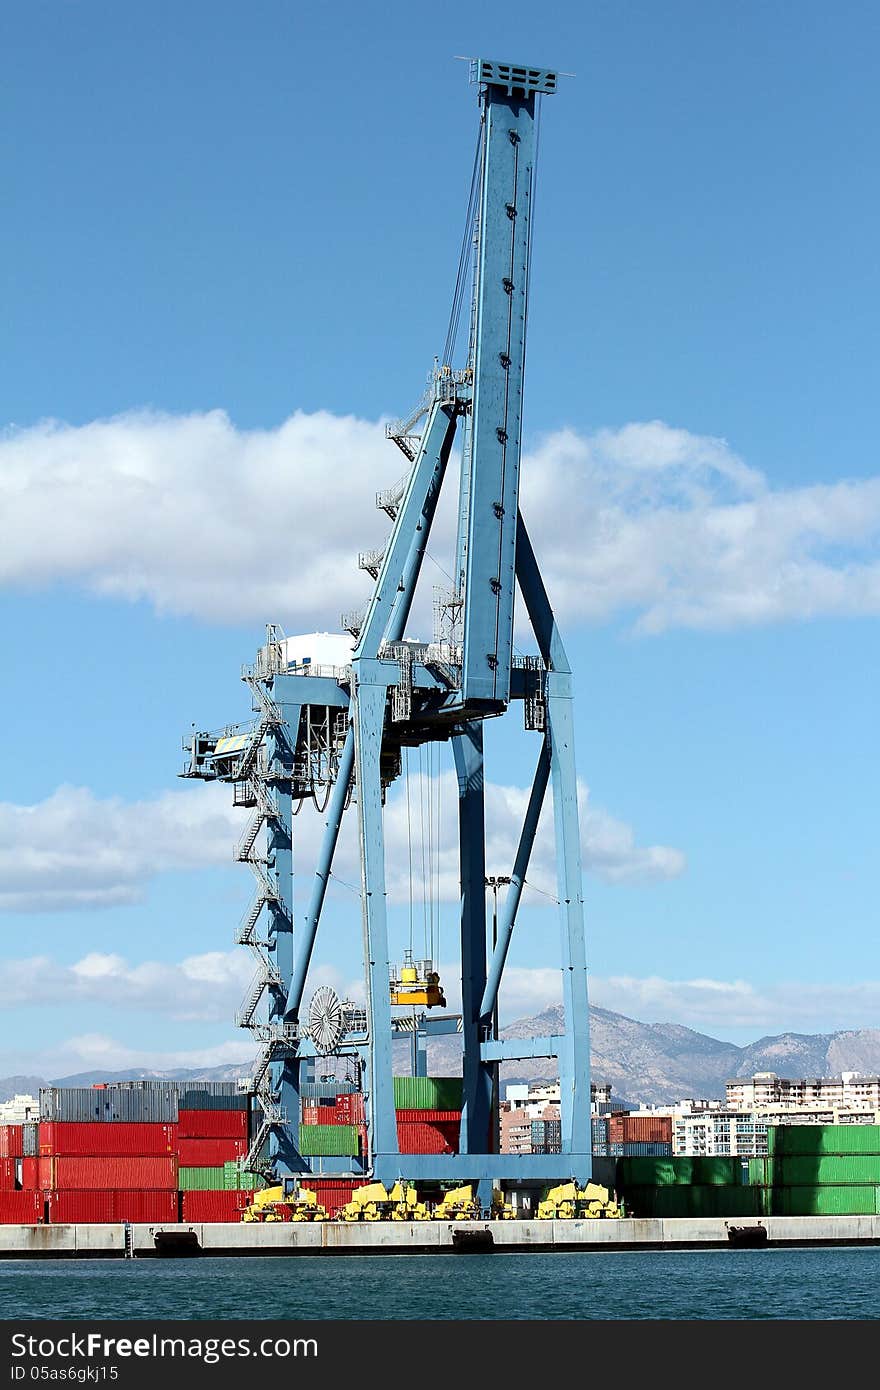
x: 334, y: 724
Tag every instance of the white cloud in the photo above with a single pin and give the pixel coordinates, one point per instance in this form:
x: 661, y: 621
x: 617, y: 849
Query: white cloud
x: 674, y: 529
x: 722, y: 1005
x: 207, y: 988
x: 198, y: 517
x: 75, y: 850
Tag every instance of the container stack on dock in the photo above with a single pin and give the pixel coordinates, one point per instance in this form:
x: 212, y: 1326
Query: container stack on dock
x: 139, y: 1151
x: 212, y: 1139
x: 428, y: 1113
x: 819, y: 1170
x: 811, y: 1170
x: 108, y: 1153
x: 20, y: 1199
x: 639, y: 1136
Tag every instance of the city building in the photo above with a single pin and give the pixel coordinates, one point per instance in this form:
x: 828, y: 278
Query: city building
x: 851, y: 1093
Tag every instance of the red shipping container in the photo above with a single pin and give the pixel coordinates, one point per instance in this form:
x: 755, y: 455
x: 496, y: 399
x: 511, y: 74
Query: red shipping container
x: 21, y: 1208
x: 146, y: 1206
x: 212, y: 1124
x: 426, y: 1139
x: 640, y: 1129
x: 124, y: 1173
x: 30, y: 1173
x: 350, y: 1108
x: 209, y: 1153
x: 429, y: 1117
x: 68, y: 1208
x: 214, y: 1206
x: 10, y: 1141
x: 112, y: 1140
x: 8, y: 1174
x: 104, y: 1206
x: 332, y: 1196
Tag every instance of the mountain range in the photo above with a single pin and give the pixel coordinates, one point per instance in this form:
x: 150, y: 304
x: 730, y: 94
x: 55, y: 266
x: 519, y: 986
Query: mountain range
x: 654, y: 1063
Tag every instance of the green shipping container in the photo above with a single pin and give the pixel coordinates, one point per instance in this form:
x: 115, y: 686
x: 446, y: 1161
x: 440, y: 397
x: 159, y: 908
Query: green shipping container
x: 718, y: 1171
x: 826, y: 1201
x: 200, y: 1179
x: 654, y: 1172
x: 427, y: 1092
x: 328, y: 1141
x: 688, y: 1200
x: 236, y: 1179
x: 762, y: 1172
x: 799, y: 1170
x: 817, y: 1140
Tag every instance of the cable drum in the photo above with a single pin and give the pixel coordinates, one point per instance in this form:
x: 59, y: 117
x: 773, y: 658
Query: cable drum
x: 326, y: 1022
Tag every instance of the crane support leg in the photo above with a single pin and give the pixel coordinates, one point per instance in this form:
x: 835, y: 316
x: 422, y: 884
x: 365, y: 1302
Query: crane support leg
x: 514, y: 892
x: 306, y: 941
x: 368, y: 712
x: 467, y: 748
x: 574, y: 1056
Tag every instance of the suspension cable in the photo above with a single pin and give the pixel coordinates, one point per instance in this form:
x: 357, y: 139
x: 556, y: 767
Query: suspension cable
x: 461, y: 278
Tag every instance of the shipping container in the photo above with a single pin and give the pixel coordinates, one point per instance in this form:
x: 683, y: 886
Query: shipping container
x: 803, y: 1170
x: 863, y: 1200
x: 212, y: 1124
x: 30, y: 1143
x: 818, y: 1140
x: 332, y: 1196
x: 213, y: 1206
x: 11, y: 1141
x: 655, y: 1172
x: 238, y: 1179
x: 30, y: 1171
x: 639, y: 1129
x: 342, y: 1141
x: 83, y: 1206
x: 429, y: 1117
x: 414, y: 1138
x: 21, y: 1208
x: 9, y: 1174
x: 717, y: 1170
x: 687, y: 1200
x: 640, y: 1150
x: 68, y: 1171
x: 325, y: 1090
x: 195, y: 1099
x: 201, y: 1179
x: 427, y: 1092
x: 209, y: 1153
x: 106, y: 1104
x: 112, y: 1139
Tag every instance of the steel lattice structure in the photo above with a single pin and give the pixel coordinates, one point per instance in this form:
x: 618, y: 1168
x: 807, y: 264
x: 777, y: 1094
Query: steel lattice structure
x: 338, y: 731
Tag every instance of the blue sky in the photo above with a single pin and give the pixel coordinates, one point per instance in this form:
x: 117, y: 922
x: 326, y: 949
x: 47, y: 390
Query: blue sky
x: 228, y: 249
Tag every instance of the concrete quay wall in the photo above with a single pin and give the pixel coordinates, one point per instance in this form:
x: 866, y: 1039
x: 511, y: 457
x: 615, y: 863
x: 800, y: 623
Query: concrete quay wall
x: 387, y: 1238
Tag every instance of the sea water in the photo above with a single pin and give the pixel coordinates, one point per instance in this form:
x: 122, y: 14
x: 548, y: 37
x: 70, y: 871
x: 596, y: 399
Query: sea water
x: 838, y: 1282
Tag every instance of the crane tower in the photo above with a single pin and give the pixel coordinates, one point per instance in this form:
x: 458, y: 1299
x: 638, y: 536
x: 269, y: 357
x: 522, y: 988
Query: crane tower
x: 337, y: 729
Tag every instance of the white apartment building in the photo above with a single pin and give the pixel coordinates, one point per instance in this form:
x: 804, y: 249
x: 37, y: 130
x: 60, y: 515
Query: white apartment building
x: 19, y: 1111
x: 533, y: 1099
x: 851, y: 1093
x: 720, y: 1131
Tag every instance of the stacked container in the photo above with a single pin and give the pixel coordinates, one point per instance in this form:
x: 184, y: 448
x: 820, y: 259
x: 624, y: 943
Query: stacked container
x: 428, y: 1113
x: 212, y: 1132
x: 108, y: 1153
x: 685, y: 1186
x: 819, y: 1170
